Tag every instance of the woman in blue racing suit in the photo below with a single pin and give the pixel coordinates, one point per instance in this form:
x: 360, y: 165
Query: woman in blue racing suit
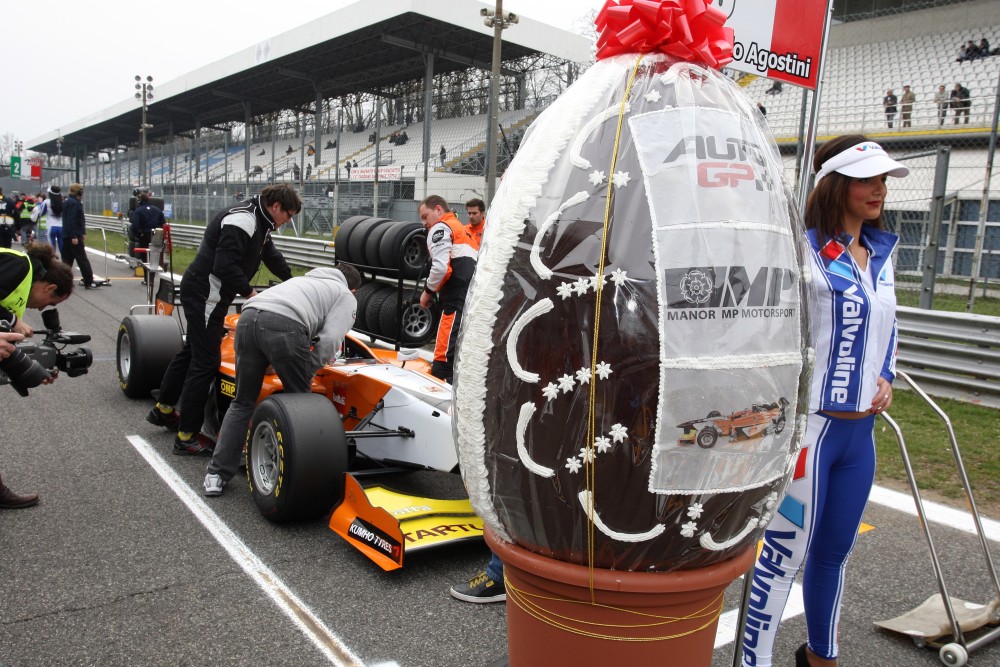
x: 854, y: 334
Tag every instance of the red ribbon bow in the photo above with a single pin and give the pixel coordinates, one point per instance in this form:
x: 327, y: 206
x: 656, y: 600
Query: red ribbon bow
x: 691, y: 30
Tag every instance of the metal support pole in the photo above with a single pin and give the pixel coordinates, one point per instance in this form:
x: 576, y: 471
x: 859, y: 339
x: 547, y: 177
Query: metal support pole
x: 937, y: 212
x: 800, y: 145
x: 318, y: 133
x: 984, y: 203
x: 491, y: 130
x: 378, y: 154
x: 335, y: 218
x: 428, y: 103
x: 246, y: 148
x: 805, y: 181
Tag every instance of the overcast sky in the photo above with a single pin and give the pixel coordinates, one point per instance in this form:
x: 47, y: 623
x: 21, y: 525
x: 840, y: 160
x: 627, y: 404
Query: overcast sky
x: 67, y: 60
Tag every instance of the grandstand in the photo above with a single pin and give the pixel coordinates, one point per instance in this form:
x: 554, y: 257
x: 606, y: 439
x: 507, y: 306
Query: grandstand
x: 873, y: 46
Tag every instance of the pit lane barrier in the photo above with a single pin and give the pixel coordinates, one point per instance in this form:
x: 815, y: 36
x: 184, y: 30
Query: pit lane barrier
x: 951, y: 355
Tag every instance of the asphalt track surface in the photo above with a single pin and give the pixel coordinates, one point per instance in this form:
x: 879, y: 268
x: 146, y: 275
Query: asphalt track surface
x: 124, y: 562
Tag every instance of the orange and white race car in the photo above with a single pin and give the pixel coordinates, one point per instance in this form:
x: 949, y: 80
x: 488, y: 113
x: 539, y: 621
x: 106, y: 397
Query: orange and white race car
x: 368, y: 408
x: 756, y: 421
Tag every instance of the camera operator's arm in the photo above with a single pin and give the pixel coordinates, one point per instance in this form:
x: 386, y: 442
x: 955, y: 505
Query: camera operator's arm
x: 7, y: 340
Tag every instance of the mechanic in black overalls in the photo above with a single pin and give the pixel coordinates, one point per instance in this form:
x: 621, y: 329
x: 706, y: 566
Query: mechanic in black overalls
x: 235, y: 242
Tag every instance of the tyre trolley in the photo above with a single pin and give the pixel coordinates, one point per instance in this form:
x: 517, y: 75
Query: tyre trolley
x: 942, y: 621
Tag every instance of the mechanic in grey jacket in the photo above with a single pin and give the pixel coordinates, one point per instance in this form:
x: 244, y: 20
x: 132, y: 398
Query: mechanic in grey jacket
x: 295, y: 327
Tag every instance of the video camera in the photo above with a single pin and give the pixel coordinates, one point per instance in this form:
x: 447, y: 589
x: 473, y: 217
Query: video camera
x: 32, y: 363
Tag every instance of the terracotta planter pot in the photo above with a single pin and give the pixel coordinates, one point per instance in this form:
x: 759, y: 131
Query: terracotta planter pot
x: 639, y: 618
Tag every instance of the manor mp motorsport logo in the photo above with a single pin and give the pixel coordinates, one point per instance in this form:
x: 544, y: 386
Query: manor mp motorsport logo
x: 726, y: 292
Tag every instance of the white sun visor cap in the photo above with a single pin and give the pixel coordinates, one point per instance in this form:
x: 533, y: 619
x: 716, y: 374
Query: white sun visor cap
x: 862, y: 161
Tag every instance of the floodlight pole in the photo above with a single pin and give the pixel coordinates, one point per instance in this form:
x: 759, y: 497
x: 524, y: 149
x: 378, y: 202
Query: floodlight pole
x: 498, y: 21
x: 977, y: 256
x: 144, y: 93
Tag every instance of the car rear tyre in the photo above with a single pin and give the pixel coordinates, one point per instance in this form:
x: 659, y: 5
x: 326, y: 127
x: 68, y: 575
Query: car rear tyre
x: 146, y: 345
x: 296, y: 457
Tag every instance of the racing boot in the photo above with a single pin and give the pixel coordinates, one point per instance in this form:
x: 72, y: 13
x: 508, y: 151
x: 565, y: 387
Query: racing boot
x: 10, y: 500
x: 169, y: 420
x: 197, y: 444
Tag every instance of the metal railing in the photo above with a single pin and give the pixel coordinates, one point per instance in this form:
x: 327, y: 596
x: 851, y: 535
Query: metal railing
x: 954, y: 355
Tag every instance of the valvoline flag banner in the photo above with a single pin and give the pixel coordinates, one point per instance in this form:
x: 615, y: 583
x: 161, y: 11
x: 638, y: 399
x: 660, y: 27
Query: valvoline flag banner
x: 777, y: 39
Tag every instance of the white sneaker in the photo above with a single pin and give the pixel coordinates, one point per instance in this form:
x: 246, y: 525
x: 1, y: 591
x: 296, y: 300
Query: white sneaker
x: 213, y: 485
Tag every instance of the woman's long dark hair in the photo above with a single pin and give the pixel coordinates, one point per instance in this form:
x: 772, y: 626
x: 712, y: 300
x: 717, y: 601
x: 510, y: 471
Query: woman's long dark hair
x: 827, y: 203
x: 56, y: 203
x: 54, y: 271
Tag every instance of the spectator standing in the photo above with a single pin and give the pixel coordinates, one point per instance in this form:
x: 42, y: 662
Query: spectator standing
x: 27, y: 230
x: 961, y: 102
x: 294, y: 327
x: 907, y: 100
x: 75, y: 234
x: 852, y: 286
x: 144, y: 219
x: 453, y: 257
x: 941, y: 100
x: 55, y: 218
x: 309, y: 171
x: 6, y: 220
x: 235, y: 242
x: 443, y: 154
x: 476, y: 210
x: 889, y: 103
x: 347, y: 165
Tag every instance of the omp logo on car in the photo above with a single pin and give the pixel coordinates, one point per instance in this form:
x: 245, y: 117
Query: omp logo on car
x: 227, y: 387
x: 338, y: 399
x: 372, y: 537
x: 704, y: 287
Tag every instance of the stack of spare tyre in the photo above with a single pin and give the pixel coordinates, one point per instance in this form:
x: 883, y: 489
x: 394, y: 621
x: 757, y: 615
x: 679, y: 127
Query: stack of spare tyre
x: 394, y: 250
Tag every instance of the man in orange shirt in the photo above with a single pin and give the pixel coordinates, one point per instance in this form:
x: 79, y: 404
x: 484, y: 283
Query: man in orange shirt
x: 477, y: 219
x: 453, y: 253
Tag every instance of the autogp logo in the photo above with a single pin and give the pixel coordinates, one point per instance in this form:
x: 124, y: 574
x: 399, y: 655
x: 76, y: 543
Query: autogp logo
x: 724, y: 174
x: 696, y: 287
x: 723, y: 162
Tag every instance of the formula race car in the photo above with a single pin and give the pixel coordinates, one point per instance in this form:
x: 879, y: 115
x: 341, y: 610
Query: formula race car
x: 758, y: 420
x: 368, y: 408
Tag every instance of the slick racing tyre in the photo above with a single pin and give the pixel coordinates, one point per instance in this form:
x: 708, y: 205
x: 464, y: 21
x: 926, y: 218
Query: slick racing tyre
x: 419, y: 324
x: 146, y: 345
x: 362, y: 296
x: 404, y: 247
x: 373, y: 311
x: 342, y: 239
x: 296, y: 457
x: 357, y: 243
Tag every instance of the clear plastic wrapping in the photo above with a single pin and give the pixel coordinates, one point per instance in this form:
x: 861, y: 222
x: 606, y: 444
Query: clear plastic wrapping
x: 632, y: 348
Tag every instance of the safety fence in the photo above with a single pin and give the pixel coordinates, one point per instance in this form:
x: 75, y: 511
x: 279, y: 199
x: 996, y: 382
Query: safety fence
x: 954, y: 355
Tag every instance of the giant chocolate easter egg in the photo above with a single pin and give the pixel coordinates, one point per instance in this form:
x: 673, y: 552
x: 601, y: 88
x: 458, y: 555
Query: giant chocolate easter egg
x: 632, y: 350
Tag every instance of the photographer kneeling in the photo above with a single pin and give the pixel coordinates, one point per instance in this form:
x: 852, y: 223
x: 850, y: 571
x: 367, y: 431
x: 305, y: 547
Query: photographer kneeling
x: 30, y: 279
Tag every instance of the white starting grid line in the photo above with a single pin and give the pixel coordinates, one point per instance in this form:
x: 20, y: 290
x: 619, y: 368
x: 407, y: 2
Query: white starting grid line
x: 333, y: 649
x: 338, y: 654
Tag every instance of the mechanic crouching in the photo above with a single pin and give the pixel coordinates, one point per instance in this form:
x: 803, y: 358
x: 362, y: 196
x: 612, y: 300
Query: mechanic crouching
x: 29, y: 279
x: 295, y: 327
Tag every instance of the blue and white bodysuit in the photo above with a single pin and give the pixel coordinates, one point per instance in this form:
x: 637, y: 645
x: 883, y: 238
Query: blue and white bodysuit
x: 854, y: 334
